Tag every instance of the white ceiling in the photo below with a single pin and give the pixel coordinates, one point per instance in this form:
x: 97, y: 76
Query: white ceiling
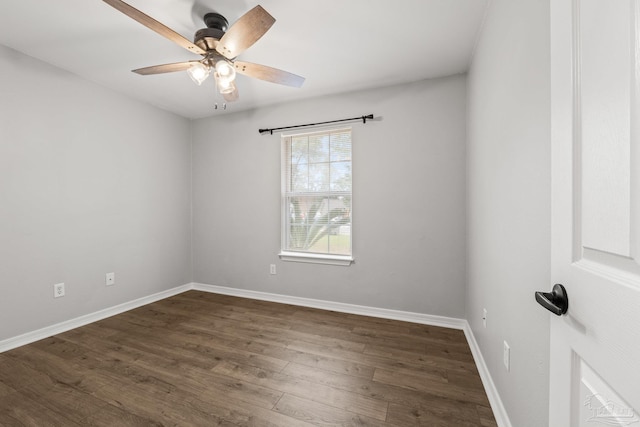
x: 337, y: 45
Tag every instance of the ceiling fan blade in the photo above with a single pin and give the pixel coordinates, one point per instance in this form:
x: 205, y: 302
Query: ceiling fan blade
x: 165, y: 68
x: 230, y: 97
x: 245, y: 32
x: 154, y: 25
x: 269, y: 74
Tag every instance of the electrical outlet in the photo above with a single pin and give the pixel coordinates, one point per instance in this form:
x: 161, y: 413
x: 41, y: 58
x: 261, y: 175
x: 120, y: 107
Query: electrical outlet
x: 506, y: 356
x: 484, y: 317
x: 58, y: 290
x: 272, y: 269
x: 110, y: 279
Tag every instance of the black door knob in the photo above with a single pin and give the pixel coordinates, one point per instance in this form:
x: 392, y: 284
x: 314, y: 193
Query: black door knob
x: 555, y: 301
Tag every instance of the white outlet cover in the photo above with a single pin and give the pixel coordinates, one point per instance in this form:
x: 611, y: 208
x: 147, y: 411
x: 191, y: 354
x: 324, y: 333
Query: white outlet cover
x: 110, y: 279
x: 484, y: 317
x: 58, y: 290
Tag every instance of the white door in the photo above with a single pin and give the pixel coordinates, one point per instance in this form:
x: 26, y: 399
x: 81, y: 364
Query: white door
x: 595, y: 121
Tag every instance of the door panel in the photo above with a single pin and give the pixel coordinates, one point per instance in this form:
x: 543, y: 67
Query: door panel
x: 606, y: 136
x: 595, y: 347
x: 598, y: 403
x: 604, y: 114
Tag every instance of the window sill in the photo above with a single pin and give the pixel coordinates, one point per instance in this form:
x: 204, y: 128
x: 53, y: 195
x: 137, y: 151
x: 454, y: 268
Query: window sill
x: 343, y: 260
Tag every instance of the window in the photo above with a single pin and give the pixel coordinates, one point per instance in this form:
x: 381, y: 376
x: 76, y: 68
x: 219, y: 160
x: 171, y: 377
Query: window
x: 316, y: 197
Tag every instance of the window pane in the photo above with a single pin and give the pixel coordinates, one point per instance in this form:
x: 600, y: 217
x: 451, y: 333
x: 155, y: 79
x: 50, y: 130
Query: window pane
x: 300, y: 177
x: 312, y: 220
x: 319, y: 148
x: 340, y: 146
x: 319, y: 177
x: 340, y: 242
x: 299, y: 151
x: 340, y: 176
x: 317, y: 185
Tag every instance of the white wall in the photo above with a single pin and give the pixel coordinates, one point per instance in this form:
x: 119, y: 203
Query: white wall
x: 408, y: 203
x: 509, y: 202
x: 90, y: 182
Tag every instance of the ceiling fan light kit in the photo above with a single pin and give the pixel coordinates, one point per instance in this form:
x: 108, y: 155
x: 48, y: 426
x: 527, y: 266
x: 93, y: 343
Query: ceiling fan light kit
x: 219, y: 45
x: 198, y: 72
x: 225, y: 71
x: 225, y: 86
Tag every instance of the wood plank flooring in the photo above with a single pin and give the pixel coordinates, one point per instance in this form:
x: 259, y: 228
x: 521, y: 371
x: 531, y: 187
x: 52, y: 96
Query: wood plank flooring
x: 201, y: 359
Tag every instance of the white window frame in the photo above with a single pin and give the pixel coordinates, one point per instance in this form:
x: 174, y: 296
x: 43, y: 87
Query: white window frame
x: 309, y: 257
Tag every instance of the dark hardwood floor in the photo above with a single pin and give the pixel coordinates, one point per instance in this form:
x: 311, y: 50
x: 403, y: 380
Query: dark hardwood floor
x: 211, y: 360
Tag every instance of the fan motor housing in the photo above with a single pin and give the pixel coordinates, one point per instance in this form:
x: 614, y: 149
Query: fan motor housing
x: 207, y: 38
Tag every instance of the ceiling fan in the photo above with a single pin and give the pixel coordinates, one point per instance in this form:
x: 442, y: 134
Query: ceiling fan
x: 219, y: 45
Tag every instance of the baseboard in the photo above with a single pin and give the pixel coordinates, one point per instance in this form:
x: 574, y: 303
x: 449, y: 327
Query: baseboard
x: 406, y: 316
x: 499, y: 411
x: 67, y: 325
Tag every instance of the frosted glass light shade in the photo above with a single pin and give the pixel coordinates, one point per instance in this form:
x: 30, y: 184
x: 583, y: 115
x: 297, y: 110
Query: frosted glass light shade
x: 199, y: 73
x: 225, y: 71
x: 224, y: 85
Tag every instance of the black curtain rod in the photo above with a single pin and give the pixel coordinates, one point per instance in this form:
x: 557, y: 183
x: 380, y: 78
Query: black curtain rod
x: 363, y: 118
